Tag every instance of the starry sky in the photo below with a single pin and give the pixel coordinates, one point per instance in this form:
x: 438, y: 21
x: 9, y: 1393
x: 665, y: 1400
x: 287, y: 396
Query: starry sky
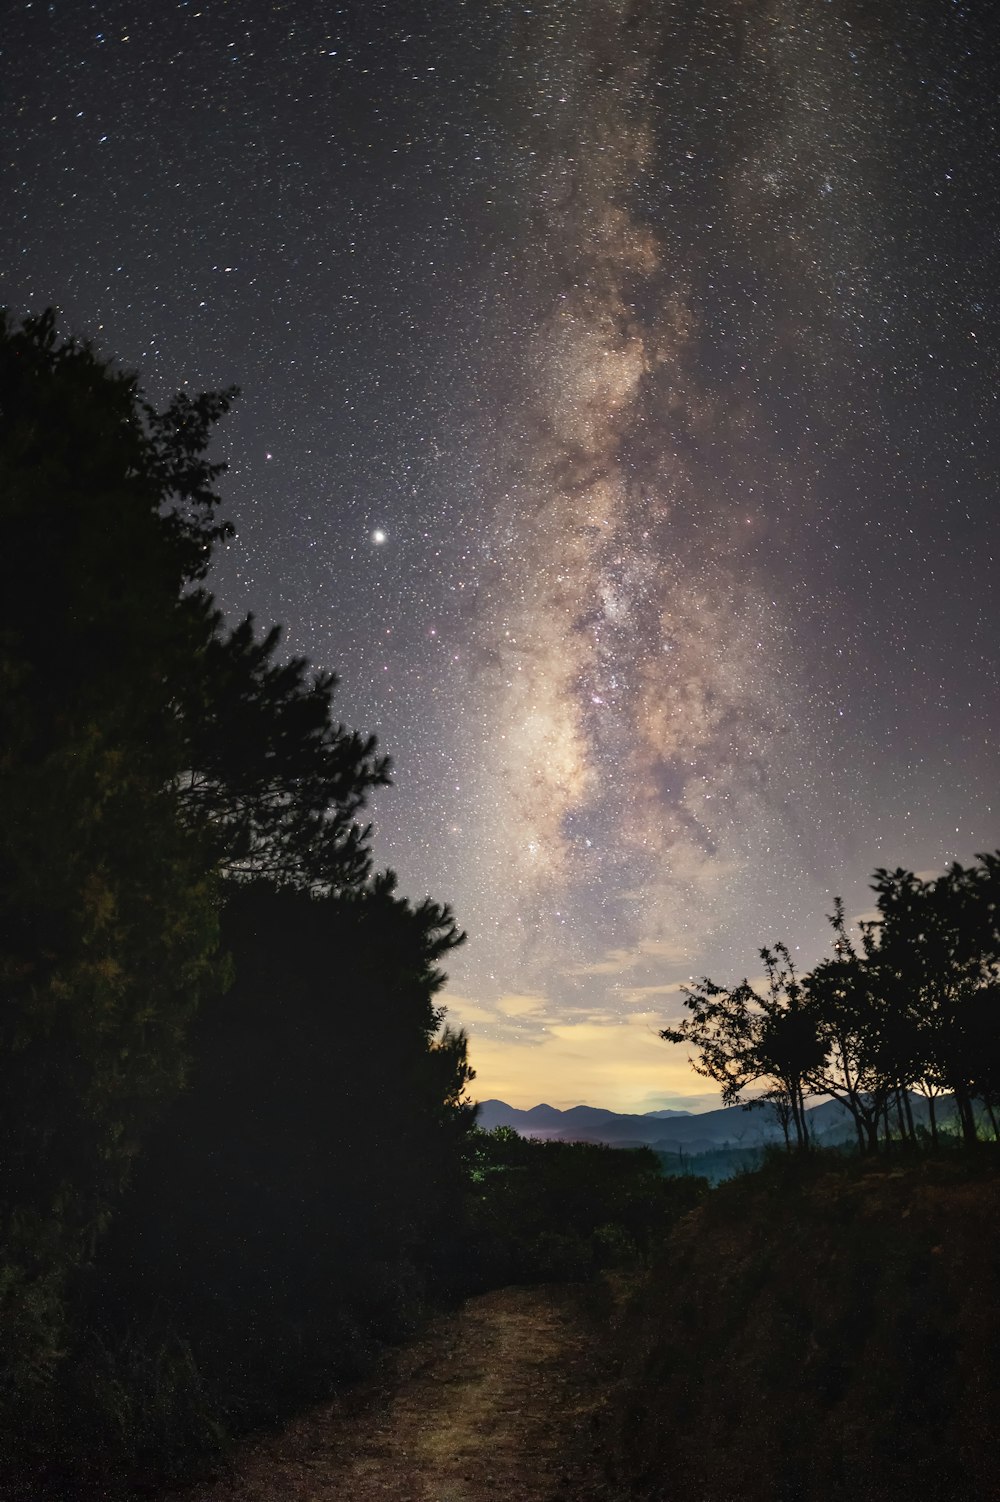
x: 618, y: 422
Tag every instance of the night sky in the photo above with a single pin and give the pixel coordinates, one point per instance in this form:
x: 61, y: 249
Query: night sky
x: 618, y: 422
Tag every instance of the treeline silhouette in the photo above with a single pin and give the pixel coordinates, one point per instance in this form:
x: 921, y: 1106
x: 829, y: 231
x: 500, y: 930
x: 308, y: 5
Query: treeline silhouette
x: 549, y: 1211
x: 910, y: 1010
x: 231, y: 1120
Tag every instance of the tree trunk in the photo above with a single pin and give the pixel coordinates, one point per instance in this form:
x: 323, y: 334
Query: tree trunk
x: 899, y: 1114
x: 801, y: 1095
x: 860, y: 1131
x: 932, y: 1117
x: 966, y: 1115
x: 853, y: 1101
x: 993, y: 1119
x: 850, y: 1099
x: 871, y: 1127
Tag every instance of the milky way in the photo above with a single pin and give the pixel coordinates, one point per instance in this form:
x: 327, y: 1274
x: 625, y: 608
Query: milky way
x: 630, y: 647
x: 619, y: 423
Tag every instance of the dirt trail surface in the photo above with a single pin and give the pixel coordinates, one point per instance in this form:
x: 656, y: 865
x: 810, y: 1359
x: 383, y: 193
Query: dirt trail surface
x: 496, y: 1403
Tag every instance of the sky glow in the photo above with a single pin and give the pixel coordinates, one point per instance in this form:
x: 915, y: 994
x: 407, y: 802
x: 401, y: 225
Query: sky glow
x: 661, y: 339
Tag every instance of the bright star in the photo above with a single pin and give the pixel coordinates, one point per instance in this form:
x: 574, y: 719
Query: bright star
x: 378, y: 536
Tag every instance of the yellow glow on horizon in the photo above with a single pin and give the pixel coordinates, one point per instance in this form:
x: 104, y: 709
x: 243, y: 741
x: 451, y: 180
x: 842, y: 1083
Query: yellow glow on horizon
x: 617, y: 1062
x: 514, y: 1005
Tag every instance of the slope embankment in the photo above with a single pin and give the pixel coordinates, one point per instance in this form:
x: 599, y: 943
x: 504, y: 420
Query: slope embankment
x: 818, y: 1335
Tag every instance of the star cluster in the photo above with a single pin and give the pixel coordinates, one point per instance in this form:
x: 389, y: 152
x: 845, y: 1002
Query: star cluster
x: 619, y: 423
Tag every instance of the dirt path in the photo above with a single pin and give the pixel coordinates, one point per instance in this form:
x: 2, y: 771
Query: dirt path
x: 497, y: 1403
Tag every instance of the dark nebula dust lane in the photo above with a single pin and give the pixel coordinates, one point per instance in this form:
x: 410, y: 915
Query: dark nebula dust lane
x: 619, y: 422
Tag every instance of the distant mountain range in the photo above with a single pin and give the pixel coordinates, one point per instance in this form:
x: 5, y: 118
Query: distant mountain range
x: 668, y: 1131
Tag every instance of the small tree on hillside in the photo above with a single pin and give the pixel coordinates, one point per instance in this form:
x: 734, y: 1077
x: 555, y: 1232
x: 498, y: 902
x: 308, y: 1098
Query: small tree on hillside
x: 864, y: 1043
x: 746, y: 1039
x: 936, y: 962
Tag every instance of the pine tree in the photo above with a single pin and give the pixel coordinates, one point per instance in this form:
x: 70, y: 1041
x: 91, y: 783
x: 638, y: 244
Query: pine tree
x: 146, y: 753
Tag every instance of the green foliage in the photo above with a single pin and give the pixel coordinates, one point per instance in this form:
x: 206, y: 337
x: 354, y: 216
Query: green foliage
x: 108, y: 928
x: 152, y: 1405
x: 298, y: 1203
x: 564, y: 1210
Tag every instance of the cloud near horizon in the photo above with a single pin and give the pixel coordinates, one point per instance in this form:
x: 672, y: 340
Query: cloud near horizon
x: 600, y: 1059
x: 623, y: 961
x: 515, y: 1004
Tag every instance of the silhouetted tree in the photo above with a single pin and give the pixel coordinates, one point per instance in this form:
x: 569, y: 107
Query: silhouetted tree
x: 555, y: 1210
x: 147, y: 751
x: 746, y: 1039
x: 305, y: 1191
x: 279, y: 781
x: 913, y: 1007
x: 108, y: 923
x: 722, y: 1029
x: 862, y: 1058
x: 935, y: 959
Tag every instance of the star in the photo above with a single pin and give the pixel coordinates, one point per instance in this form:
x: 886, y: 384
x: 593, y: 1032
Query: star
x: 669, y: 362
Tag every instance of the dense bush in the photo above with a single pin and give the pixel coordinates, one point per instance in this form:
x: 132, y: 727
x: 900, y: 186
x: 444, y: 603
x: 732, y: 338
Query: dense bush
x: 564, y: 1210
x: 295, y: 1206
x: 821, y: 1332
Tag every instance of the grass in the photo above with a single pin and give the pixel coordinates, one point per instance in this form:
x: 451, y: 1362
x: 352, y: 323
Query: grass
x: 826, y: 1329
